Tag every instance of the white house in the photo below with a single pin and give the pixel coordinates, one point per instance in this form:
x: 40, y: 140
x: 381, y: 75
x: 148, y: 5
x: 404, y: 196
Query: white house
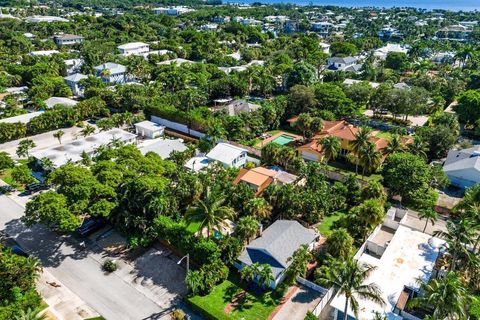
x: 53, y: 101
x: 462, y: 167
x: 276, y: 246
x: 343, y: 64
x: 46, y: 53
x: 110, y: 72
x: 172, y: 11
x: 163, y: 147
x: 48, y: 19
x: 402, y: 256
x: 349, y: 82
x: 23, y: 118
x: 228, y: 155
x: 73, y: 81
x: 133, y: 48
x: 73, y: 65
x: 149, y: 129
x: 382, y: 52
x: 67, y: 39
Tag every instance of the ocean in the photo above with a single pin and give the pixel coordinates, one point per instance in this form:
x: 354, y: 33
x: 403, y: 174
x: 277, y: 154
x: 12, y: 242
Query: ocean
x: 457, y: 5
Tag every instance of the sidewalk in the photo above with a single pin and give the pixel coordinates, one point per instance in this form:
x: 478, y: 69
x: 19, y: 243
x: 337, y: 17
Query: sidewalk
x: 62, y: 303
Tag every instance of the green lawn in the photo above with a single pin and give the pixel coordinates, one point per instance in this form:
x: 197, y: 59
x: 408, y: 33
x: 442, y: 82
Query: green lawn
x: 217, y: 305
x: 325, y: 227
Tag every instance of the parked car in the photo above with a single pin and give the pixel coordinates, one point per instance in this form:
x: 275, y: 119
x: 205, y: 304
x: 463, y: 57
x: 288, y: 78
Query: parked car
x: 14, y: 246
x: 90, y: 225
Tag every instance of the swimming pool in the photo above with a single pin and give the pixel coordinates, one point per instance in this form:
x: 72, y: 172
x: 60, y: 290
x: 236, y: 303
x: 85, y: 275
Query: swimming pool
x: 283, y: 139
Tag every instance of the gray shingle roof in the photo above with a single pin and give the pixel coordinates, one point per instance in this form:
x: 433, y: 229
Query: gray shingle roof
x: 277, y: 244
x: 462, y: 159
x: 238, y: 106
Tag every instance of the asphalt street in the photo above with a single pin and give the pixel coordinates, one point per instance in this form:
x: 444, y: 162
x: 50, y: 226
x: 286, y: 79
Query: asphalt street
x: 109, y: 295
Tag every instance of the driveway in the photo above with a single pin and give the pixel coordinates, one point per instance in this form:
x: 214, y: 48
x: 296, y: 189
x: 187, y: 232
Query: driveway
x: 136, y: 291
x: 295, y: 308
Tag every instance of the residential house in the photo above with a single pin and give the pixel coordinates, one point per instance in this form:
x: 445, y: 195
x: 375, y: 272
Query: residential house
x: 228, y: 155
x: 110, y: 72
x: 133, y: 48
x: 67, y: 39
x: 324, y: 28
x: 73, y: 81
x: 260, y: 178
x: 48, y: 19
x: 462, y: 167
x: 163, y: 147
x: 149, y: 129
x: 389, y: 32
x: 382, y: 52
x: 403, y: 257
x: 45, y: 53
x: 73, y: 65
x: 276, y: 246
x: 349, y: 82
x: 236, y: 107
x: 344, y: 131
x: 53, y: 101
x: 172, y: 11
x: 343, y: 64
x: 454, y: 33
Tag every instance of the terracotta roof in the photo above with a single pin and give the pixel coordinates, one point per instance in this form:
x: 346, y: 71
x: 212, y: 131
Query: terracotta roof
x: 259, y: 177
x: 340, y: 129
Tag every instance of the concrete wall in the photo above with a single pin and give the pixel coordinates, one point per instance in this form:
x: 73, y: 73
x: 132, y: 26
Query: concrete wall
x: 177, y: 126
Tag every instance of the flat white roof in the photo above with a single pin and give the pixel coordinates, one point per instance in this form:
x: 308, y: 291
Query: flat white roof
x: 23, y: 118
x: 225, y: 152
x: 62, y: 153
x: 163, y: 147
x: 53, y: 101
x: 149, y: 125
x: 409, y: 256
x: 43, y: 52
x: 132, y: 45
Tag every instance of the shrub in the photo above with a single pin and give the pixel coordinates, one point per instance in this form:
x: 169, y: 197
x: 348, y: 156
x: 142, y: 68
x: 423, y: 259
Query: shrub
x: 310, y: 316
x: 110, y: 265
x: 178, y: 315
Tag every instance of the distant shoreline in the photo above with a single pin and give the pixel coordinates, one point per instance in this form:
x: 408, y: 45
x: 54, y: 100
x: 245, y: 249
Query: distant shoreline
x: 459, y: 5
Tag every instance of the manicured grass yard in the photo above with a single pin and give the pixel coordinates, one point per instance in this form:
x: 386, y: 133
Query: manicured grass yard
x: 325, y: 227
x: 218, y: 304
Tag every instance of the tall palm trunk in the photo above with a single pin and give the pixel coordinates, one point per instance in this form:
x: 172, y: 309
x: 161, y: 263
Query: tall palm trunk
x: 345, y: 314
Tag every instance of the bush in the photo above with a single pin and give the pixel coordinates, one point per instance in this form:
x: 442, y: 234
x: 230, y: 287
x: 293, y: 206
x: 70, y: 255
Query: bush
x: 280, y: 291
x: 475, y: 308
x: 110, y: 265
x: 178, y: 315
x: 310, y: 316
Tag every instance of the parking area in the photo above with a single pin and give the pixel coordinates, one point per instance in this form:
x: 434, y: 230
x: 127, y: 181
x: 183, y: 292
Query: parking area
x: 305, y: 299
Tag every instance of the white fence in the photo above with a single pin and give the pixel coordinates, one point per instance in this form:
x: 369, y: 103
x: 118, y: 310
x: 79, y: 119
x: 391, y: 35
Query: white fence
x: 177, y: 126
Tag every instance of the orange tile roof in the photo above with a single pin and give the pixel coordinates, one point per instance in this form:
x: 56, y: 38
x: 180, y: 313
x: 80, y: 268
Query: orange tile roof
x: 259, y: 177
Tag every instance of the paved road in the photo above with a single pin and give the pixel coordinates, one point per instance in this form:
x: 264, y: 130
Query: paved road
x: 109, y: 295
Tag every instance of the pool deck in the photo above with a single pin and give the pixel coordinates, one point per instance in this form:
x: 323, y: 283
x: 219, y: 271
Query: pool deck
x: 263, y: 143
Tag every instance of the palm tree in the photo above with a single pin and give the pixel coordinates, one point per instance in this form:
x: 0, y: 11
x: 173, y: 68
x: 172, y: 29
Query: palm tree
x: 258, y: 207
x: 88, y: 130
x: 395, y: 145
x: 31, y: 314
x: 362, y: 138
x: 429, y: 215
x: 448, y: 296
x: 265, y: 275
x: 369, y: 158
x: 59, y: 134
x: 458, y: 236
x: 331, y: 147
x: 247, y: 274
x: 349, y: 280
x: 24, y: 146
x: 210, y: 212
x: 247, y: 227
x: 298, y: 267
x: 418, y: 147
